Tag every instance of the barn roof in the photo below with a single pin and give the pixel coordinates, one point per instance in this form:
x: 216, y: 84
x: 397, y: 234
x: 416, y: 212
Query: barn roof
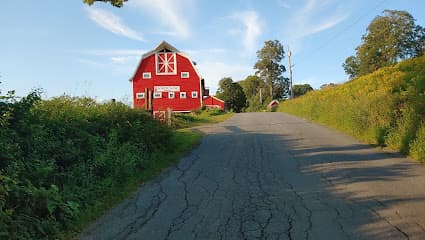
x: 213, y: 97
x: 161, y: 46
x: 273, y: 102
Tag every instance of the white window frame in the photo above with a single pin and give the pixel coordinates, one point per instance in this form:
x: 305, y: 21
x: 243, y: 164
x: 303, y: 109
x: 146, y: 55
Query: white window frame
x: 140, y: 95
x: 158, y: 72
x: 183, y: 95
x: 147, y: 75
x: 171, y: 95
x: 194, y: 94
x: 157, y: 95
x: 184, y: 74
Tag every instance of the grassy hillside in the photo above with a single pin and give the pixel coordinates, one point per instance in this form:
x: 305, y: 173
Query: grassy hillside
x: 64, y: 161
x: 386, y: 107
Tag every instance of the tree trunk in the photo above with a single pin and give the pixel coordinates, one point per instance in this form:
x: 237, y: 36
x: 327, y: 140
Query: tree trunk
x: 271, y: 91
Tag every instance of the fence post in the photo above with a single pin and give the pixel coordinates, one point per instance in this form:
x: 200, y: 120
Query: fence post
x: 169, y: 116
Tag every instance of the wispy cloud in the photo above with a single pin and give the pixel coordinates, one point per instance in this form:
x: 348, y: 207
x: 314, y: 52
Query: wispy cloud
x: 112, y: 23
x: 111, y: 56
x: 329, y: 23
x: 169, y: 13
x: 206, y: 52
x: 124, y: 59
x: 313, y: 17
x: 252, y: 28
x: 113, y: 52
x: 284, y: 4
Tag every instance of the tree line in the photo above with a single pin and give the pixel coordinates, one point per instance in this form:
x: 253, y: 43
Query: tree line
x: 256, y: 91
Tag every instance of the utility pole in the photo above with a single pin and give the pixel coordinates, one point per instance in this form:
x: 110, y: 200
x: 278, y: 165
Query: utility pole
x: 261, y: 97
x: 291, y: 93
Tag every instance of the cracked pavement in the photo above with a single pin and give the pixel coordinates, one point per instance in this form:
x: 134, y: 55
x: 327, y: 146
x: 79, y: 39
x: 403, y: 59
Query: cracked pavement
x: 275, y: 176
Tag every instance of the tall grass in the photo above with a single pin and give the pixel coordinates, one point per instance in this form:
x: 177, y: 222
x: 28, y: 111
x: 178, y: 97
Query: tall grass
x: 386, y: 108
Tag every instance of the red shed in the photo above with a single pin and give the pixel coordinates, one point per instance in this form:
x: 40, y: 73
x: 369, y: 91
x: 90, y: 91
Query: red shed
x: 213, y: 102
x: 167, y: 78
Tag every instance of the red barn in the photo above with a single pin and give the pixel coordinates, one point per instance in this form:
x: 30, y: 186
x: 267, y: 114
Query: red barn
x: 167, y: 78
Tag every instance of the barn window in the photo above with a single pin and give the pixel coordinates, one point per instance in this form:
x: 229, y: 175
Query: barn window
x: 157, y: 95
x: 166, y: 63
x: 146, y: 75
x: 182, y: 94
x: 194, y: 94
x: 140, y: 95
x: 171, y: 95
x: 184, y: 74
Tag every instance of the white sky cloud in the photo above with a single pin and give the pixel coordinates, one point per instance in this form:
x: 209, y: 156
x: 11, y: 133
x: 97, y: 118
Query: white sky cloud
x: 313, y: 17
x: 114, y: 56
x: 169, y: 13
x: 114, y: 52
x: 201, y: 53
x: 252, y: 28
x: 284, y: 4
x: 112, y: 23
x: 124, y: 59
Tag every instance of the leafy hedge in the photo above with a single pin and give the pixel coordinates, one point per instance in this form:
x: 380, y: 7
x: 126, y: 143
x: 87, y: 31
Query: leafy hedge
x: 61, y: 159
x: 386, y: 107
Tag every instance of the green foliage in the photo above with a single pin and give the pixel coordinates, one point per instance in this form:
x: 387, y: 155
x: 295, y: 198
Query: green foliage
x: 64, y: 160
x: 301, y: 89
x: 115, y: 3
x: 232, y: 94
x: 417, y: 147
x: 256, y: 92
x: 388, y: 39
x: 351, y: 66
x: 207, y: 116
x: 270, y: 68
x: 386, y: 107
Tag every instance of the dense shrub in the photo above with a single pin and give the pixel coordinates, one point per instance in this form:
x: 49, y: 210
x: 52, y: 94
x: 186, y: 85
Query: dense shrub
x: 64, y: 155
x: 386, y: 107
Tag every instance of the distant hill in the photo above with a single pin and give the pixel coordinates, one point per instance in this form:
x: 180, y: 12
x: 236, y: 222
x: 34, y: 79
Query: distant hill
x: 386, y: 107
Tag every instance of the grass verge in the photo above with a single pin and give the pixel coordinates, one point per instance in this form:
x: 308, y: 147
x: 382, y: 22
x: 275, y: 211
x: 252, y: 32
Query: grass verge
x: 200, y: 118
x: 182, y: 142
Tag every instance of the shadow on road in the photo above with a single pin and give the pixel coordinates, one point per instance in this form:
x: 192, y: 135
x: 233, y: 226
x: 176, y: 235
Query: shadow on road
x: 365, y: 190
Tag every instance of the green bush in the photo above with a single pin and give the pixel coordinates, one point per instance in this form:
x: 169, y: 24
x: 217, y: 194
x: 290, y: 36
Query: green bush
x: 61, y: 159
x: 417, y: 147
x: 384, y: 108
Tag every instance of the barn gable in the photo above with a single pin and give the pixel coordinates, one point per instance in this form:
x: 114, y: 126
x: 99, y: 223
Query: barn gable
x: 165, y: 48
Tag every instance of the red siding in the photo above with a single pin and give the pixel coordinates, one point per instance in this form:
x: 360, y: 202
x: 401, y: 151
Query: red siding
x: 193, y: 83
x: 213, y: 102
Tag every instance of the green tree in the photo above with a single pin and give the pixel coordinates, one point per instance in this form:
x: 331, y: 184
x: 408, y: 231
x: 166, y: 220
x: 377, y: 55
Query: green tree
x: 388, y: 39
x: 115, y: 3
x: 351, y: 66
x: 232, y: 94
x: 251, y: 85
x: 270, y: 68
x: 256, y: 92
x: 418, y: 42
x: 301, y: 89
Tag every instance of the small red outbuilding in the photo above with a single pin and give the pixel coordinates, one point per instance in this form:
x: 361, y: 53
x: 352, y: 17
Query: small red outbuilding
x: 213, y: 102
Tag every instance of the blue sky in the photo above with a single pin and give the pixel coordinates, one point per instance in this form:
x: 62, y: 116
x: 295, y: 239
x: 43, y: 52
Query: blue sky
x: 67, y: 47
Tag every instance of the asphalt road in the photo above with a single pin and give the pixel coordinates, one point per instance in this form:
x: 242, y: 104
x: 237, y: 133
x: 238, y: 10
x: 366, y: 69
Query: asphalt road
x: 274, y: 176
